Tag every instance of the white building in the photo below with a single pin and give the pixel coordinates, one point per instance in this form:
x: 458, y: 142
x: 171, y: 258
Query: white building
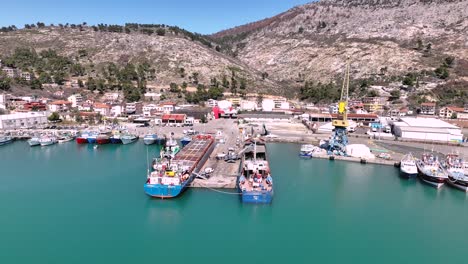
x: 111, y: 96
x: 147, y: 109
x: 117, y: 110
x: 75, y: 99
x: 3, y: 103
x: 333, y: 109
x: 430, y: 129
x: 22, y: 120
x: 247, y: 105
x: 284, y: 106
x: 211, y: 103
x: 153, y: 96
x: 268, y: 105
x: 103, y: 109
x: 224, y: 104
x: 59, y: 106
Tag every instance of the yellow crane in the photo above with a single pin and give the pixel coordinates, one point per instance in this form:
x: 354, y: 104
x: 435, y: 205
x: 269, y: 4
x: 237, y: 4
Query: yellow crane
x: 342, y: 120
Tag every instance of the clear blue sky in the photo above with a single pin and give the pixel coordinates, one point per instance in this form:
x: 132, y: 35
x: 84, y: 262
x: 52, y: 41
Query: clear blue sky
x: 203, y: 16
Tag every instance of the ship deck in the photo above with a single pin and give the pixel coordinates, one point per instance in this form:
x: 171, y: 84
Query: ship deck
x: 193, y: 152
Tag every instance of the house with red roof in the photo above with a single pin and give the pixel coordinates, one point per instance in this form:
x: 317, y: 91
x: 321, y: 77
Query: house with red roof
x: 59, y: 106
x: 452, y: 111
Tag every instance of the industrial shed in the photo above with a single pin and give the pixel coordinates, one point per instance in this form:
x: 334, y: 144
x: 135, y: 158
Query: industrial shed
x: 427, y: 129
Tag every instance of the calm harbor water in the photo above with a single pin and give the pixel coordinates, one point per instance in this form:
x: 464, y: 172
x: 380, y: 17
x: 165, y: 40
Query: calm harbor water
x: 72, y: 204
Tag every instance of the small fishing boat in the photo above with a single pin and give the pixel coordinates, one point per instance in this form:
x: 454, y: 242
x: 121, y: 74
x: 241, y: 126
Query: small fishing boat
x: 83, y: 137
x: 128, y: 138
x: 171, y: 149
x: 5, y: 140
x: 34, y: 141
x: 456, y: 172
x: 65, y: 139
x: 47, y: 141
x: 92, y: 138
x: 185, y: 140
x: 160, y: 140
x: 150, y: 139
x: 255, y: 181
x: 408, y: 168
x: 431, y: 171
x: 306, y: 151
x: 116, y: 138
x: 103, y: 138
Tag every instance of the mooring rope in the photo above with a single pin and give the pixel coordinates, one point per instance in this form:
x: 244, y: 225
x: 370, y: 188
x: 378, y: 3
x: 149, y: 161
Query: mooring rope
x: 212, y: 189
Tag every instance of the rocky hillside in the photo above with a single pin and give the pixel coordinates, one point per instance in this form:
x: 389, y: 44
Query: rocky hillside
x: 393, y: 37
x: 174, y: 57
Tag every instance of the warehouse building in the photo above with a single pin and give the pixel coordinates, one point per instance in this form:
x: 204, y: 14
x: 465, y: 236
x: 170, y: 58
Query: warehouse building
x: 22, y: 120
x: 430, y: 129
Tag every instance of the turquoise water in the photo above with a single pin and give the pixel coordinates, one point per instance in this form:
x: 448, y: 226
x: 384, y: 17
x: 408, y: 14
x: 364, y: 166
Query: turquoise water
x: 72, y: 204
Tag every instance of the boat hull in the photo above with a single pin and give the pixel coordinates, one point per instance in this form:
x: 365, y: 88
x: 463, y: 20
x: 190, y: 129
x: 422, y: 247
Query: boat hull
x: 408, y: 175
x: 65, y: 140
x: 436, y: 182
x: 92, y: 140
x: 44, y: 144
x: 34, y: 143
x: 184, y: 142
x: 129, y: 141
x: 102, y: 141
x: 149, y: 141
x: 257, y: 197
x: 115, y: 140
x: 4, y: 142
x: 160, y: 141
x: 81, y: 140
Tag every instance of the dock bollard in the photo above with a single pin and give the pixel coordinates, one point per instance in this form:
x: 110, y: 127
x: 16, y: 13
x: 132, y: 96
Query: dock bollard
x: 363, y: 161
x: 397, y: 164
x: 331, y: 158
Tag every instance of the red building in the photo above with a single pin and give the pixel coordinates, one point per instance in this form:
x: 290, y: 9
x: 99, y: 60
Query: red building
x: 34, y: 106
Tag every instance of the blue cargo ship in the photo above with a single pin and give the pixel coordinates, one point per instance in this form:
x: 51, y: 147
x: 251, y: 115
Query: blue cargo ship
x: 255, y: 182
x: 171, y: 176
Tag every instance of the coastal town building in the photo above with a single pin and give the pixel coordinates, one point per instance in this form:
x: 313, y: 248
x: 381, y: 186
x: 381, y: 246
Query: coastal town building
x: 150, y: 109
x: 3, y: 102
x: 101, y: 108
x: 135, y: 108
x: 428, y: 108
x: 59, y: 106
x: 75, y: 99
x: 23, y: 120
x: 85, y: 107
x: 452, y: 112
x: 117, y: 110
x: 10, y: 72
x: 248, y: 105
x: 173, y: 118
x: 373, y: 104
x: 34, y: 107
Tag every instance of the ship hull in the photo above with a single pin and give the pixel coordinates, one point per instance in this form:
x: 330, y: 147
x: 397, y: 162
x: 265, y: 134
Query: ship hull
x: 92, y: 140
x: 457, y: 183
x: 436, y: 182
x: 6, y: 142
x: 257, y: 197
x: 160, y: 141
x: 115, y: 140
x: 81, y: 140
x: 102, y: 141
x: 149, y: 141
x: 129, y: 141
x: 34, y: 143
x: 184, y: 142
x: 408, y: 175
x: 48, y: 143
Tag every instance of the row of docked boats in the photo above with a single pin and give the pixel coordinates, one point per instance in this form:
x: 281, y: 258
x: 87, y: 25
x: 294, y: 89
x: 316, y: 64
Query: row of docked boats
x: 101, y: 138
x: 47, y: 140
x: 5, y: 140
x: 452, y: 170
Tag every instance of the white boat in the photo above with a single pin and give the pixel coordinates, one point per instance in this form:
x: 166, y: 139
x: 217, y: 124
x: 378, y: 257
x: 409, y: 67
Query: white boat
x: 65, y: 139
x: 307, y: 150
x: 128, y: 138
x: 34, y: 141
x: 456, y: 172
x: 5, y: 140
x: 150, y: 139
x: 47, y: 141
x: 171, y: 149
x: 408, y: 168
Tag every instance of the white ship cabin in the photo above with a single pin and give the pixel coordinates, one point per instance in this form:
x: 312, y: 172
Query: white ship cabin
x: 168, y: 174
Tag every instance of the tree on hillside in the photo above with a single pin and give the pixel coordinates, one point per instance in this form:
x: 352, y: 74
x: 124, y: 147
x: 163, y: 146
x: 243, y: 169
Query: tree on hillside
x: 54, y: 117
x: 161, y: 32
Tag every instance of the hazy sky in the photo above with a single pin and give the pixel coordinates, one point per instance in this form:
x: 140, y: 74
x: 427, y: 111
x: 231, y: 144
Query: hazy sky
x: 203, y: 16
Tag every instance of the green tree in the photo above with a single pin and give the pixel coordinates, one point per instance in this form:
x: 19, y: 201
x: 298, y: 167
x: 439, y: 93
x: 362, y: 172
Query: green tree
x: 80, y: 84
x: 442, y: 72
x: 373, y: 93
x: 5, y: 84
x: 174, y: 88
x: 419, y: 44
x: 54, y: 117
x: 243, y: 84
x: 454, y: 116
x: 395, y: 94
x: 36, y: 84
x: 160, y: 32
